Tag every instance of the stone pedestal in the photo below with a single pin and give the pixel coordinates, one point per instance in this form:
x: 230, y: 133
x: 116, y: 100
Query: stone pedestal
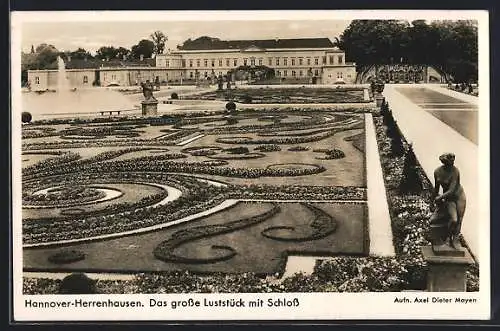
x: 447, y: 268
x: 366, y: 95
x: 379, y: 99
x: 149, y: 107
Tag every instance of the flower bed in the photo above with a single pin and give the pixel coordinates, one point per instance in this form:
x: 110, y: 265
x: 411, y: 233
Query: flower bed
x: 289, y: 95
x: 68, y: 195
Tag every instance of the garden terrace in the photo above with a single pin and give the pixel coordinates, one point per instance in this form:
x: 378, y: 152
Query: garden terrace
x: 256, y: 201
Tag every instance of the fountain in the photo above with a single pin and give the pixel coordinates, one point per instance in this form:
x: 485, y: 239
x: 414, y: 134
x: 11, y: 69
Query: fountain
x: 68, y: 101
x: 62, y: 79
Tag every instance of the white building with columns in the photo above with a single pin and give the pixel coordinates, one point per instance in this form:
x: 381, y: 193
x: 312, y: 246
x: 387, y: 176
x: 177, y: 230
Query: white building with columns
x: 292, y: 59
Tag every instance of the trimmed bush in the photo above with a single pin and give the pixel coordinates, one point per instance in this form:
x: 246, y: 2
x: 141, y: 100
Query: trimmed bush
x: 26, y: 117
x: 77, y: 283
x: 174, y: 96
x: 66, y: 256
x: 298, y: 149
x: 237, y: 150
x: 268, y: 148
x: 410, y: 181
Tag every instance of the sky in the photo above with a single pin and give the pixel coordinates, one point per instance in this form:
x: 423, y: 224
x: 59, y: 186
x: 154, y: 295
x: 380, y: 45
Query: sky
x: 90, y: 35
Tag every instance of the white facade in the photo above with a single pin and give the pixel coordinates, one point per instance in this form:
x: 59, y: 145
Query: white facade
x: 288, y: 63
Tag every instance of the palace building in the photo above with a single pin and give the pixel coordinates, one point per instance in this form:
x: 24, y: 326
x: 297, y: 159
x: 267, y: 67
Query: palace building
x: 291, y: 59
x: 302, y: 60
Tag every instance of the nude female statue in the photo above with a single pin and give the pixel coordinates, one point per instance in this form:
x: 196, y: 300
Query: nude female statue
x: 452, y: 201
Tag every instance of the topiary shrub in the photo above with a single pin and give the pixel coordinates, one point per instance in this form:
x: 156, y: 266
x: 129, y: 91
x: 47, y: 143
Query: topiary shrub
x: 410, y: 181
x: 26, y: 117
x: 230, y: 106
x: 237, y: 150
x: 174, y: 96
x: 66, y: 256
x: 77, y: 283
x: 268, y: 148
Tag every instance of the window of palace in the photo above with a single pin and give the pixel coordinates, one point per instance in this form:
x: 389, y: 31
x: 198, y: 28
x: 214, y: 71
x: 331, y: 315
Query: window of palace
x: 213, y: 63
x: 278, y: 73
x: 340, y: 59
x: 285, y: 61
x: 205, y: 62
x: 270, y: 60
x: 228, y: 62
x: 37, y: 80
x: 167, y: 63
x: 339, y: 74
x: 206, y: 74
x: 245, y: 62
x: 197, y: 63
x: 300, y: 73
x: 113, y: 77
x: 285, y: 73
x: 316, y: 72
x: 260, y: 62
x: 308, y: 61
x: 277, y: 61
x: 235, y: 62
x: 316, y: 61
x: 190, y: 74
x: 190, y: 63
x: 220, y: 63
x: 85, y: 79
x: 293, y: 61
x: 331, y: 59
x: 301, y: 61
x: 252, y: 61
x: 324, y: 59
x: 183, y: 62
x: 293, y: 73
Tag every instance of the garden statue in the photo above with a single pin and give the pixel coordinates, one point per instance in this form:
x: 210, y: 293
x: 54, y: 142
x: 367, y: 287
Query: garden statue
x: 147, y: 90
x: 220, y: 83
x: 449, y: 207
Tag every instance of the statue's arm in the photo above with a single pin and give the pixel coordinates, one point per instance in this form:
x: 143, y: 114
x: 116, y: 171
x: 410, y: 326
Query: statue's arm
x: 435, y: 192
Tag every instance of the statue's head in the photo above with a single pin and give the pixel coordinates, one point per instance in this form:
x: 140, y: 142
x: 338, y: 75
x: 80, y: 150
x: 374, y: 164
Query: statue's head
x: 447, y: 159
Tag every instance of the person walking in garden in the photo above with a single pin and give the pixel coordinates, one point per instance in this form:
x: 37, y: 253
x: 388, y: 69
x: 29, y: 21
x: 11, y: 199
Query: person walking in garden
x: 453, y: 197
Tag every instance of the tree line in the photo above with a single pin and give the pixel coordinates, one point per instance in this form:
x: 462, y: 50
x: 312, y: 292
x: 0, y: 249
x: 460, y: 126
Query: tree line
x: 44, y: 56
x: 451, y: 46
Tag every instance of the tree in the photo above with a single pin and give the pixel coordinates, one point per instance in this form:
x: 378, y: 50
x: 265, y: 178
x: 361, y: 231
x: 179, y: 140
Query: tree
x: 106, y: 52
x: 144, y: 47
x: 449, y: 46
x: 80, y: 54
x: 46, y: 56
x: 123, y: 53
x: 159, y: 40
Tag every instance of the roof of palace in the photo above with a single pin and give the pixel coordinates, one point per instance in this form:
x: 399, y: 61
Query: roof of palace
x: 114, y: 63
x: 206, y: 43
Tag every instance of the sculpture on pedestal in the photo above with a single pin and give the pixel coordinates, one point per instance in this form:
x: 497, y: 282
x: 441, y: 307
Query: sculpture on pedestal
x: 449, y: 207
x: 149, y: 104
x: 220, y: 83
x: 147, y: 91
